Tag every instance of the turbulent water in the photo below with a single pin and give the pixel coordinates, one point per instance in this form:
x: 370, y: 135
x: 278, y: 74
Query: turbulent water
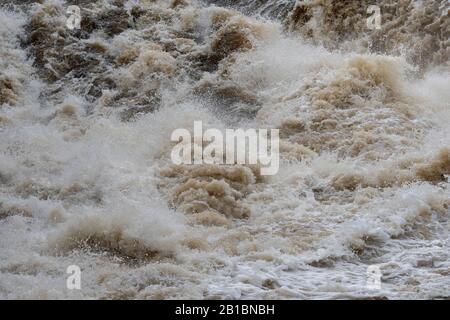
x: 86, y: 176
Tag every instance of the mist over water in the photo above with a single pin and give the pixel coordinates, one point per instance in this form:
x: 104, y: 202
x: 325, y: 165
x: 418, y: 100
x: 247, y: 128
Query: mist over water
x: 86, y: 176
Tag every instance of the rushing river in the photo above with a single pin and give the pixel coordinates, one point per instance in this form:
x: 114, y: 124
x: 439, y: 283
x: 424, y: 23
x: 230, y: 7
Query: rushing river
x: 86, y: 177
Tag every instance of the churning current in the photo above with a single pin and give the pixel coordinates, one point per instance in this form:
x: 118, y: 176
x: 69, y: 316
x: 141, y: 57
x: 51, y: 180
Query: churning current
x: 86, y: 177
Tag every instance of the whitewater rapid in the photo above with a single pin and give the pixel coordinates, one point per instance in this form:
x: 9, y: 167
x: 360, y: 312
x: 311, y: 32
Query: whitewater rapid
x: 86, y: 177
